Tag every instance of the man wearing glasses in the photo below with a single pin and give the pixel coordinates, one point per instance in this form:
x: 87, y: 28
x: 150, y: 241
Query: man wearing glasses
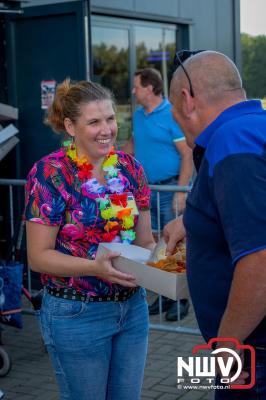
x: 225, y: 216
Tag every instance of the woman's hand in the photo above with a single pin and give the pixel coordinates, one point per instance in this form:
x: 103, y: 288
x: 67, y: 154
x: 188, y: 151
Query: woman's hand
x: 103, y: 269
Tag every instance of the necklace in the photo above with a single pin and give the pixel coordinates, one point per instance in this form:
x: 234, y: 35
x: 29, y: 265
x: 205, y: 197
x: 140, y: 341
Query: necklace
x: 118, y: 217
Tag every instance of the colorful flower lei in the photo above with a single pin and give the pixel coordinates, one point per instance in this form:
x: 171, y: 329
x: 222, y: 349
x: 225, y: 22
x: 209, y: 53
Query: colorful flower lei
x: 118, y: 226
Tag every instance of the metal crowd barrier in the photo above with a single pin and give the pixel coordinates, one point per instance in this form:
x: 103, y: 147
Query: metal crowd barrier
x: 14, y: 214
x: 11, y: 184
x: 160, y: 325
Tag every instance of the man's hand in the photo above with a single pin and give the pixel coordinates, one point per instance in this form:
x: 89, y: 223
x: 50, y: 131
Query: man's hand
x: 173, y: 232
x: 240, y: 380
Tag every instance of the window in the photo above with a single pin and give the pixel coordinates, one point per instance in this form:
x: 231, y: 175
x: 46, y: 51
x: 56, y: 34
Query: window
x: 119, y: 47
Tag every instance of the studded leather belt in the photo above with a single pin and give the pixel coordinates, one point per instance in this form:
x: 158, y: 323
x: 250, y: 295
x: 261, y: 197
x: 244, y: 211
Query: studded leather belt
x: 72, y: 294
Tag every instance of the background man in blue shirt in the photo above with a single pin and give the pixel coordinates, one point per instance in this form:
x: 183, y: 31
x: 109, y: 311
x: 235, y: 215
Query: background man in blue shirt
x: 225, y: 216
x: 159, y: 144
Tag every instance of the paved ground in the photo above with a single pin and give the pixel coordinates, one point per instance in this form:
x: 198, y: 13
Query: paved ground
x: 31, y: 376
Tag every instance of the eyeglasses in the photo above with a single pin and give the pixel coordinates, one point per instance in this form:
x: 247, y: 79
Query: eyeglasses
x: 182, y: 56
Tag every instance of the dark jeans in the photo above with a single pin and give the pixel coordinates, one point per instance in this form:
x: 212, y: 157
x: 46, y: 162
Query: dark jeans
x: 166, y: 209
x: 258, y: 392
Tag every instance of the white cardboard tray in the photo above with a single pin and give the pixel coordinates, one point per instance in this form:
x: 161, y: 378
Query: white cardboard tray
x: 132, y: 259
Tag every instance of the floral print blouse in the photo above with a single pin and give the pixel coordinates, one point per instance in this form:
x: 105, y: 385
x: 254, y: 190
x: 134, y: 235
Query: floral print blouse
x: 54, y: 198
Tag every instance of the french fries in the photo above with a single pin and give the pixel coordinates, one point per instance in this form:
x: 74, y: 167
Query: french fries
x: 174, y: 263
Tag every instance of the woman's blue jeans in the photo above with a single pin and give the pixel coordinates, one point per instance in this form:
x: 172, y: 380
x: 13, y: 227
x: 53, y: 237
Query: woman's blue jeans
x: 98, y: 350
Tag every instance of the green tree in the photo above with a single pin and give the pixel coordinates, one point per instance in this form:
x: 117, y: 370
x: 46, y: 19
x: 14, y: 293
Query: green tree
x: 253, y: 65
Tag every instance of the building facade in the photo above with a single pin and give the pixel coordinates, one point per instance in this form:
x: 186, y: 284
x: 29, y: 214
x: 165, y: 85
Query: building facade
x: 102, y: 40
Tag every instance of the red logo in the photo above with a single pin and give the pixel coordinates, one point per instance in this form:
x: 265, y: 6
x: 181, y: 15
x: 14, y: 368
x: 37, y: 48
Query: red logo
x: 233, y: 359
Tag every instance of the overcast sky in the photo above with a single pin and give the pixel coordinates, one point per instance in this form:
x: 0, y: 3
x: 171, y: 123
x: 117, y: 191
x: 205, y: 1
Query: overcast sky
x: 253, y: 16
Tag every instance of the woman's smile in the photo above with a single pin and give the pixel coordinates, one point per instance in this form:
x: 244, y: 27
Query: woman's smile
x: 103, y: 141
x: 95, y: 129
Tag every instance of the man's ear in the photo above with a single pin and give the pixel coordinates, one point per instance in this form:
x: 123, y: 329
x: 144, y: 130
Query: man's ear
x: 150, y: 89
x: 69, y: 127
x: 188, y: 103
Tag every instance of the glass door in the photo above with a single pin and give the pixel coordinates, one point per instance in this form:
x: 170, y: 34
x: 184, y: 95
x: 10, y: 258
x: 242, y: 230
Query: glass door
x: 156, y: 47
x: 119, y: 47
x: 110, y: 52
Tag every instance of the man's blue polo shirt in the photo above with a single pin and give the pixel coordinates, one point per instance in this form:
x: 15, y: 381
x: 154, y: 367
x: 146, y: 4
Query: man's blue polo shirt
x: 225, y: 217
x: 154, y: 137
